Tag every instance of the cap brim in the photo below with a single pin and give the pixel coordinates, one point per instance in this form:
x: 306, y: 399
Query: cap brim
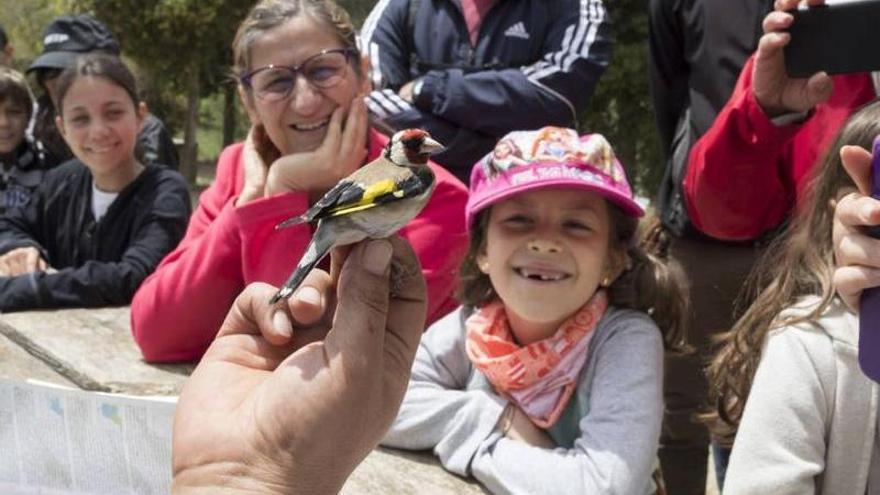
x: 54, y: 60
x: 628, y: 205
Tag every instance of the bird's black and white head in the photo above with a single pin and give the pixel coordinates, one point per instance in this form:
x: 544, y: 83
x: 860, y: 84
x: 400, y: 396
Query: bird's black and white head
x: 411, y: 147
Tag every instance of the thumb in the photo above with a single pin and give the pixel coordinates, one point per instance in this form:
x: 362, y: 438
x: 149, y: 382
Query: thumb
x: 362, y: 304
x: 407, y: 311
x: 819, y: 88
x: 857, y: 163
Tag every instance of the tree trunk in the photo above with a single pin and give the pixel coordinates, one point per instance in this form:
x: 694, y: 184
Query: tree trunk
x: 228, y: 114
x: 190, y: 145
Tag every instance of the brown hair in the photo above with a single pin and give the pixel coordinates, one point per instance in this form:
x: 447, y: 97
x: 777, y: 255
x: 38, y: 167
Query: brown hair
x: 648, y: 284
x: 269, y: 14
x: 14, y: 87
x: 108, y: 67
x: 797, y: 264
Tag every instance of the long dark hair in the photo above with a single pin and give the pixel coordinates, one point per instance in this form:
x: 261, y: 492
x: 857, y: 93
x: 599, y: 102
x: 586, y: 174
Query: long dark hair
x: 108, y: 67
x: 797, y: 264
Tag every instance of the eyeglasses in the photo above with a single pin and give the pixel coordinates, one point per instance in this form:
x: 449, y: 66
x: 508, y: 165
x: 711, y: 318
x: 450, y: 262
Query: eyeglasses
x: 276, y: 82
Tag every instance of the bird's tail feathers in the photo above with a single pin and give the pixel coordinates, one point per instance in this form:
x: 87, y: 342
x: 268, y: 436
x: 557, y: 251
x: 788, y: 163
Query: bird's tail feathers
x: 313, y: 255
x: 290, y: 222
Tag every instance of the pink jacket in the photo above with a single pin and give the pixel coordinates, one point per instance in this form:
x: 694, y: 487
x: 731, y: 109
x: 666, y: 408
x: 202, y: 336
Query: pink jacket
x: 177, y: 311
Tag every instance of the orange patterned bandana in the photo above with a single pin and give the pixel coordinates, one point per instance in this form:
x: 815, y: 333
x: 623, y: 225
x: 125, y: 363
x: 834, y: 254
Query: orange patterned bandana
x: 540, y: 377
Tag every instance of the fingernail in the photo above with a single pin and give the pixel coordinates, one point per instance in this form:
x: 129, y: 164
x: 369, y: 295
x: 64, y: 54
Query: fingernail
x: 282, y: 323
x: 377, y: 256
x: 309, y: 295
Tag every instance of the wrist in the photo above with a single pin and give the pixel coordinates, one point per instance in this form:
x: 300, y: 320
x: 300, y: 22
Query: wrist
x: 231, y: 480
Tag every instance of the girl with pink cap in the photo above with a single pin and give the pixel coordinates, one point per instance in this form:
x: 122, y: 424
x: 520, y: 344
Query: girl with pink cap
x: 549, y: 378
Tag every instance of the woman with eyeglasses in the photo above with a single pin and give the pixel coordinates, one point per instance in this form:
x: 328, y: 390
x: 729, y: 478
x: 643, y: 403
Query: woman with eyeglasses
x: 302, y: 81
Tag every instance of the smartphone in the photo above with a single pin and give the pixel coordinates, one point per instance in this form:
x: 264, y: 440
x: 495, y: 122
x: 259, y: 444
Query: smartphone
x: 839, y: 38
x: 869, y: 305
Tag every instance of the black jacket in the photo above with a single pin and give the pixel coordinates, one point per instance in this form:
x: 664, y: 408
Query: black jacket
x: 535, y: 63
x: 98, y: 264
x: 20, y: 175
x: 697, y: 50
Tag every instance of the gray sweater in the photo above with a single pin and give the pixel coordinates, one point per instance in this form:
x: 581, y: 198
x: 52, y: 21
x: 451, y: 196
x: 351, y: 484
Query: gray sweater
x: 810, y: 421
x: 607, y: 435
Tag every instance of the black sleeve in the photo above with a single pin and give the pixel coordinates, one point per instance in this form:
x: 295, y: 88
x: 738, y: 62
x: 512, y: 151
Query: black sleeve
x: 97, y: 283
x: 668, y: 69
x: 156, y: 144
x: 19, y: 227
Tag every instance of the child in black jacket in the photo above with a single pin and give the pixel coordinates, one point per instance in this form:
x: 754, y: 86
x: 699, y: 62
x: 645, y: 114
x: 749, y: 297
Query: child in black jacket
x: 21, y: 161
x: 97, y: 225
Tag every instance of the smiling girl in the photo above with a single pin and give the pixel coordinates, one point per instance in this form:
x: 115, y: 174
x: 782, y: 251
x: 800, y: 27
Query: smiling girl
x: 97, y: 225
x: 548, y: 379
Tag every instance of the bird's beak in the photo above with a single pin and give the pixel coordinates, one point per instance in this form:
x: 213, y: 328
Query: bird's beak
x: 431, y: 146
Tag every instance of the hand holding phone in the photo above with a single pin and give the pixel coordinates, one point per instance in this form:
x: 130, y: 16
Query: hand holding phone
x: 869, y: 306
x: 837, y: 38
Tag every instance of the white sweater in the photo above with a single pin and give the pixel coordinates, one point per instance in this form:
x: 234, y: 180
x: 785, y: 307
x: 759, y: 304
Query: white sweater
x: 809, y: 424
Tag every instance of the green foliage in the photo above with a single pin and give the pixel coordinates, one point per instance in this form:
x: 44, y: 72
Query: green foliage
x: 621, y: 107
x: 167, y: 39
x: 24, y: 21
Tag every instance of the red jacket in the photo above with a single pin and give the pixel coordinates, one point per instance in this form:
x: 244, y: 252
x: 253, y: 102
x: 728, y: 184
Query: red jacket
x: 746, y: 174
x: 177, y: 311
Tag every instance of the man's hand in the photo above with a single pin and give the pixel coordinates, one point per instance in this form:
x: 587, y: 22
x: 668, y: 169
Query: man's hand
x: 273, y: 409
x: 20, y: 261
x: 774, y: 90
x: 857, y: 255
x: 342, y: 152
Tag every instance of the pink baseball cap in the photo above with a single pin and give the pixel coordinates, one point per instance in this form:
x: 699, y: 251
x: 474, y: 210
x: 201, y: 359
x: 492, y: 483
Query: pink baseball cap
x: 549, y: 157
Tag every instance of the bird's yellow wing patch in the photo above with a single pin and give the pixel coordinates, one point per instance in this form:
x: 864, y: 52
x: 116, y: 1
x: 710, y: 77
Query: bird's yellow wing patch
x: 368, y: 199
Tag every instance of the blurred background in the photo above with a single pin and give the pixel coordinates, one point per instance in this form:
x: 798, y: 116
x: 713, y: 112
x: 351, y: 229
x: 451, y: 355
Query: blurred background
x: 180, y: 50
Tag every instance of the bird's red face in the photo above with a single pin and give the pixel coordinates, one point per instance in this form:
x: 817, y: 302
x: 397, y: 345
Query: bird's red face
x: 413, y: 140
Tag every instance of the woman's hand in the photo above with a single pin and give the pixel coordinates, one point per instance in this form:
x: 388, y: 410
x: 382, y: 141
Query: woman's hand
x: 856, y: 254
x: 774, y: 90
x: 342, y: 152
x: 516, y: 425
x: 20, y: 261
x: 257, y: 152
x: 273, y: 409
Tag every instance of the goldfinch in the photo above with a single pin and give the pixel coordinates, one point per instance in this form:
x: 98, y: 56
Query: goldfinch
x: 375, y: 201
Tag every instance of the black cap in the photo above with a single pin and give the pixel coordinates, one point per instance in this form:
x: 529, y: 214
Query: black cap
x: 3, y: 39
x: 70, y: 36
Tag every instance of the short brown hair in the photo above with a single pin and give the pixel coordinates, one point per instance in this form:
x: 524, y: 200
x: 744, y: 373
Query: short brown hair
x: 14, y: 87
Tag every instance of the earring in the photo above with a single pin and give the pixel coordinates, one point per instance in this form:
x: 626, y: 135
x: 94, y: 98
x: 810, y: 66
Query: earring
x: 483, y: 265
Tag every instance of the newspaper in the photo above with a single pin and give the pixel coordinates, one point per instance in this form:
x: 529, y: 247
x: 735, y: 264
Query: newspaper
x: 55, y: 440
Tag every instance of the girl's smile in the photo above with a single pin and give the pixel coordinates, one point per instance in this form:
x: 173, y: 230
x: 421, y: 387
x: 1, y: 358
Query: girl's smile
x: 546, y: 253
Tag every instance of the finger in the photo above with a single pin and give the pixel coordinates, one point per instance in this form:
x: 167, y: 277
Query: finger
x: 407, y: 311
x: 42, y: 265
x: 337, y: 259
x: 16, y: 263
x: 855, y: 210
x: 252, y: 314
x: 309, y: 303
x: 850, y: 281
x: 31, y: 260
x: 819, y: 87
x: 785, y: 4
x: 355, y: 133
x: 857, y: 248
x: 857, y: 163
x: 362, y: 307
x: 4, y: 268
x: 334, y: 132
x: 777, y: 21
x: 770, y: 45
